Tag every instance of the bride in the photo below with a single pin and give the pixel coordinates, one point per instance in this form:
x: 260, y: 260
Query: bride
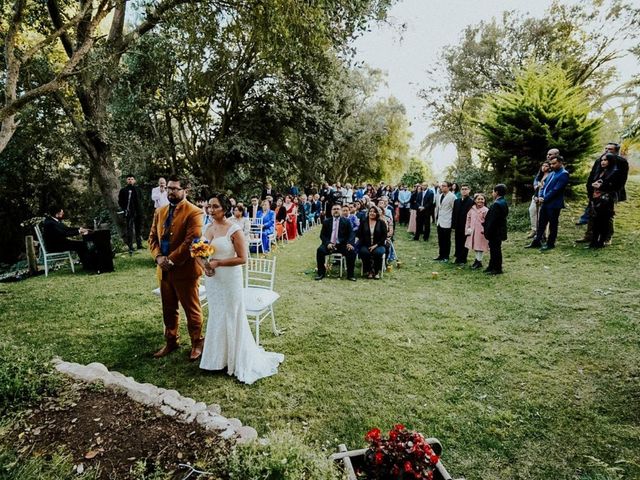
x: 229, y: 341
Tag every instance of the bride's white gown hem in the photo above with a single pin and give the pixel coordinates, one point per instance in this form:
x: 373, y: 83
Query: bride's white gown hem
x: 228, y: 341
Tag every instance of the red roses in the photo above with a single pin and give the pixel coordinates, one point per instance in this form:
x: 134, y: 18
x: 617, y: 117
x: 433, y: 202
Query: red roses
x: 403, y: 455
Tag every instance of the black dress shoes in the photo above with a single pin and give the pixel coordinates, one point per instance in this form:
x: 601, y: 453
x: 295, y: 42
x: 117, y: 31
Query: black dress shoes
x: 476, y: 265
x: 534, y: 245
x: 319, y: 277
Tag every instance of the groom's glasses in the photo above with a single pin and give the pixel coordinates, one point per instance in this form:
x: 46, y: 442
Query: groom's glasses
x: 174, y: 189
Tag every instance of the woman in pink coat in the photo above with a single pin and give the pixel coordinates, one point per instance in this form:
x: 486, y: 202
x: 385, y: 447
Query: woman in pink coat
x: 475, y: 229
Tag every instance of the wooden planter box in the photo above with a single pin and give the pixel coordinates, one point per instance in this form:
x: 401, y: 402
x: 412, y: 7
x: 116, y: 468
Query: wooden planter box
x: 353, y: 459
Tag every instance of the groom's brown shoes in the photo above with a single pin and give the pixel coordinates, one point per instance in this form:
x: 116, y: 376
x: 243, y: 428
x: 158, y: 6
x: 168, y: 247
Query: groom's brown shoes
x: 196, y: 350
x: 166, y: 350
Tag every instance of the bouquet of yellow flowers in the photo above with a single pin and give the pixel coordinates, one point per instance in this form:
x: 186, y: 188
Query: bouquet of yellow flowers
x: 201, y: 248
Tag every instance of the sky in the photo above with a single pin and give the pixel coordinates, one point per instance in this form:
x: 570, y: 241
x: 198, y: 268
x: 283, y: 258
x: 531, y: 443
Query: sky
x: 406, y: 54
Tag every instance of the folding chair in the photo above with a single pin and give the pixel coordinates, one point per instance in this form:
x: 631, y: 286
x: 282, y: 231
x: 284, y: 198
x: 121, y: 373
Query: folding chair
x: 258, y: 294
x: 52, y: 258
x: 336, y: 259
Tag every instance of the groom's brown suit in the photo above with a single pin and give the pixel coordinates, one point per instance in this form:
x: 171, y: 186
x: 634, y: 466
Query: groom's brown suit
x: 180, y: 283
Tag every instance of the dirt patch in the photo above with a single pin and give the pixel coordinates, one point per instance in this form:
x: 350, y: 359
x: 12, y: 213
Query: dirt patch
x: 108, y: 432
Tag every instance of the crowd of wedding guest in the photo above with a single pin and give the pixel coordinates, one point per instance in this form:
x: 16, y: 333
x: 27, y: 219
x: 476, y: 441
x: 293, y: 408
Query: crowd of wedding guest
x: 361, y: 221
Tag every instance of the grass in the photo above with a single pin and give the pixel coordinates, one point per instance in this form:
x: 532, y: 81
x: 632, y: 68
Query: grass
x: 533, y: 374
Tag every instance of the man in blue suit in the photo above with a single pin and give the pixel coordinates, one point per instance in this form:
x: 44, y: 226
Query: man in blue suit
x: 551, y: 201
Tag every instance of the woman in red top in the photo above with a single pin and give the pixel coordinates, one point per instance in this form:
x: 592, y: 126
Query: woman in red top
x: 292, y: 218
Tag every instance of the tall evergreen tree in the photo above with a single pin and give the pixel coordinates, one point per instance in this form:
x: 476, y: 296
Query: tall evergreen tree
x: 542, y: 110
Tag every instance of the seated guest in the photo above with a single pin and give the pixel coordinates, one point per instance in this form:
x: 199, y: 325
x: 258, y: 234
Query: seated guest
x: 346, y: 213
x: 372, y: 237
x: 56, y: 235
x: 268, y: 224
x: 281, y: 218
x: 337, y: 236
x: 239, y: 219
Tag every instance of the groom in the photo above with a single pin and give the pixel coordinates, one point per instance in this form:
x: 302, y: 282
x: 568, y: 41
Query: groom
x: 173, y: 230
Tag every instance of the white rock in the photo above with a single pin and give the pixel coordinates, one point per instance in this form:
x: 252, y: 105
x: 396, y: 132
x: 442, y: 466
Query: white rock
x: 143, y: 398
x: 235, y: 423
x: 168, y: 411
x: 247, y: 434
x: 98, y: 366
x: 199, y: 407
x: 228, y: 433
x: 217, y: 424
x: 214, y: 408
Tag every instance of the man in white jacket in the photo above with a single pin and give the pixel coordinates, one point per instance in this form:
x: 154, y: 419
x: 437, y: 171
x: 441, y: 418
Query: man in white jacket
x: 159, y: 194
x: 444, y: 214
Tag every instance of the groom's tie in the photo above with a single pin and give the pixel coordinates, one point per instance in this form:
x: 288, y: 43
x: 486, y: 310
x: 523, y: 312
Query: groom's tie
x: 166, y: 234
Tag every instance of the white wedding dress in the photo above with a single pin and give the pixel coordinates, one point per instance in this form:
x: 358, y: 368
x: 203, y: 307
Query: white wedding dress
x: 228, y: 340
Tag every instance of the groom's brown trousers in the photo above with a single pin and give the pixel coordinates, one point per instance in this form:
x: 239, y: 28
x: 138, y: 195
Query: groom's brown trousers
x: 184, y: 292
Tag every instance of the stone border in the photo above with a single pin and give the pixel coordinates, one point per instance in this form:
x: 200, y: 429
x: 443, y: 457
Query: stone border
x: 169, y: 402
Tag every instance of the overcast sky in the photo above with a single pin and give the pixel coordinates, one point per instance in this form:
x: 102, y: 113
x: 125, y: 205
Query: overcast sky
x: 405, y: 54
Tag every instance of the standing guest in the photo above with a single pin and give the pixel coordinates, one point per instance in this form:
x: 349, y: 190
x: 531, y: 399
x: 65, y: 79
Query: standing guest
x: 455, y: 189
x: 424, y: 204
x: 232, y: 204
x: 622, y: 165
x: 348, y: 194
x: 267, y: 191
x: 444, y: 220
x: 372, y: 238
x: 207, y: 218
x: 56, y: 235
x: 551, y: 199
x: 130, y: 201
x: 239, y: 219
x: 254, y: 208
x: 360, y: 192
x: 495, y: 228
x: 404, y: 204
x: 174, y: 228
x: 159, y: 194
x: 461, y: 207
x: 435, y: 188
x: 337, y: 237
x: 474, y: 229
x: 538, y: 183
x: 268, y: 224
x: 413, y: 208
x: 293, y: 190
x: 292, y: 217
x: 606, y: 186
x: 316, y: 207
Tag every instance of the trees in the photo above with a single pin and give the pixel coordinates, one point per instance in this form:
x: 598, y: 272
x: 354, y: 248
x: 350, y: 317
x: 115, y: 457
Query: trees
x: 417, y: 172
x: 541, y: 110
x: 258, y: 42
x: 583, y: 39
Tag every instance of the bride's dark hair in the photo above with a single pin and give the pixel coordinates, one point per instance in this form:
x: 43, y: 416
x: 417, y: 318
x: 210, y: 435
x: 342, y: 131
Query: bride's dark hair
x: 224, y: 201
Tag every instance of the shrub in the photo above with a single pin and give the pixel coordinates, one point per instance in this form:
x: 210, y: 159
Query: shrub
x: 284, y: 457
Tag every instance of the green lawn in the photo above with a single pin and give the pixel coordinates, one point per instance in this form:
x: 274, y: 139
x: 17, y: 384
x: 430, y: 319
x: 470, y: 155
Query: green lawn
x: 533, y: 374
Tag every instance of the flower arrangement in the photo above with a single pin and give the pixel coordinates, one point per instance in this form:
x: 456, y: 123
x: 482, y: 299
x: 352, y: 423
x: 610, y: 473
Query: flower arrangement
x: 200, y: 247
x: 404, y: 455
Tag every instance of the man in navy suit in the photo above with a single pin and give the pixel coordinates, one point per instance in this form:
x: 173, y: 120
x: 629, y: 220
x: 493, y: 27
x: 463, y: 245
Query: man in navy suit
x: 425, y: 203
x: 337, y: 236
x: 551, y: 201
x: 495, y: 228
